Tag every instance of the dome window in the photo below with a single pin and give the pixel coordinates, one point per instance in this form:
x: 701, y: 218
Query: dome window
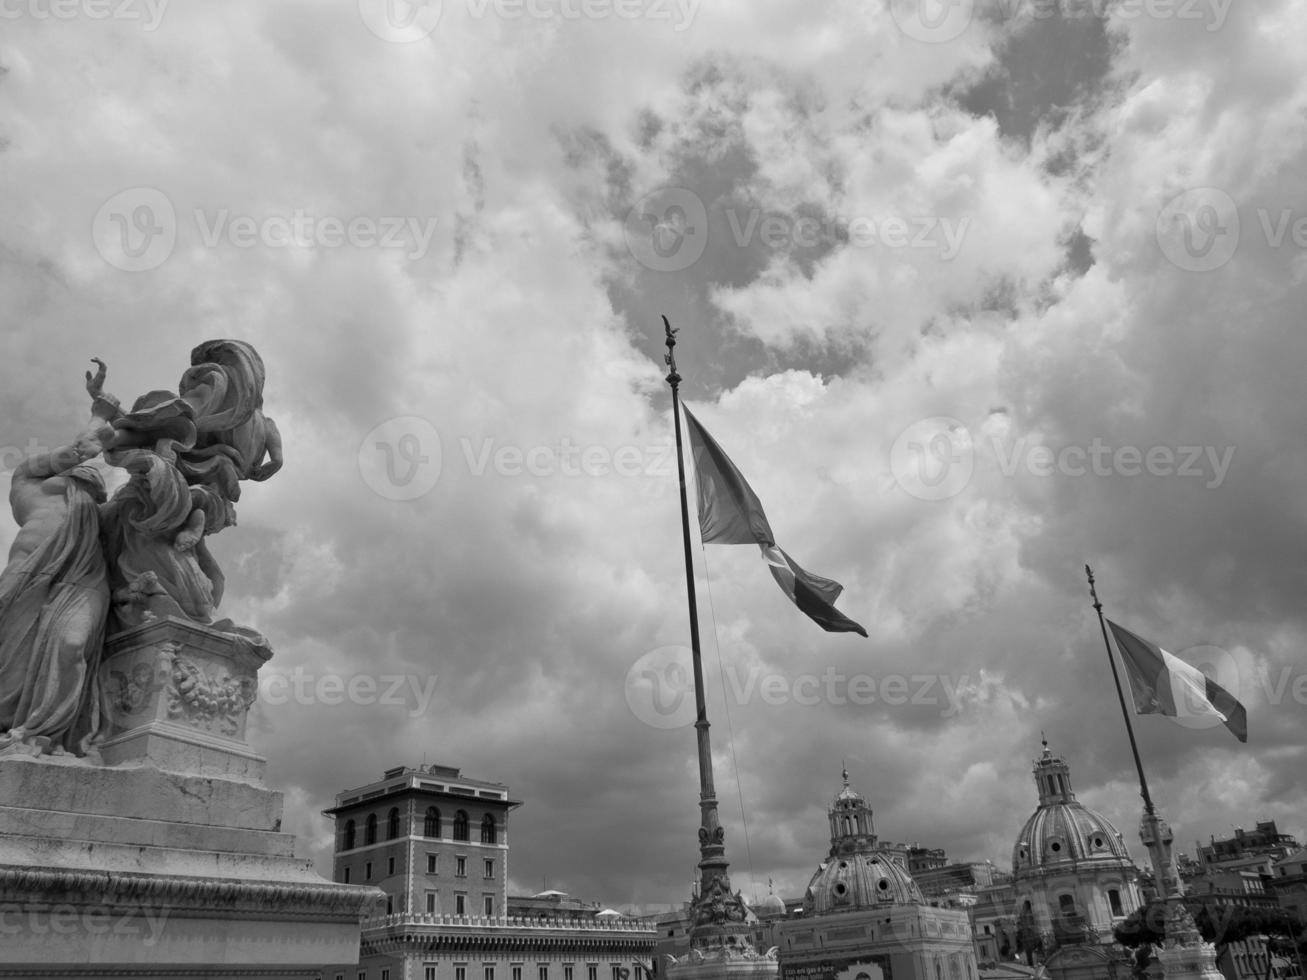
x: 883, y: 884
x: 840, y: 888
x: 1055, y: 846
x: 843, y: 865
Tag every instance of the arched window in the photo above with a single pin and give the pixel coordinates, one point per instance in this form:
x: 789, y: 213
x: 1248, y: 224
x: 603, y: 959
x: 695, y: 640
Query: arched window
x: 460, y: 825
x: 431, y: 825
x: 1114, y: 899
x: 370, y: 829
x: 348, y: 843
x: 392, y: 823
x: 487, y: 829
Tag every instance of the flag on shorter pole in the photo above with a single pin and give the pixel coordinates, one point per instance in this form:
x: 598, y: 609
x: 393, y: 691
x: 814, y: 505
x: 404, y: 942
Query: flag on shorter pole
x: 1163, y: 684
x: 730, y: 513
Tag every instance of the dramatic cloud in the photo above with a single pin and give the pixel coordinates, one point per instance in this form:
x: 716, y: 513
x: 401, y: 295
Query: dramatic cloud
x: 970, y: 304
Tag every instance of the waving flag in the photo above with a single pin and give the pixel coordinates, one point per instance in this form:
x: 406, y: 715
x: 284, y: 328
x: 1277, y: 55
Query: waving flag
x: 730, y: 513
x: 1163, y: 684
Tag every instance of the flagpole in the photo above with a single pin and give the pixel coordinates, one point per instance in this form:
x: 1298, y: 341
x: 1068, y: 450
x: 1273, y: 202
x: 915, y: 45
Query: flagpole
x: 714, y: 884
x: 1116, y: 677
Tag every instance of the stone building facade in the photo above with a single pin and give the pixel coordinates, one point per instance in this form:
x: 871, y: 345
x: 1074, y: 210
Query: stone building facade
x: 436, y: 842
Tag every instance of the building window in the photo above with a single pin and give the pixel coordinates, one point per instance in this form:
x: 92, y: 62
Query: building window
x: 460, y: 867
x: 390, y: 865
x: 370, y: 831
x: 345, y: 876
x: 542, y: 971
x: 429, y: 971
x: 431, y: 903
x: 490, y: 868
x: 431, y: 824
x: 392, y: 823
x: 487, y: 829
x: 363, y: 975
x: 489, y: 972
x: 1114, y: 899
x: 431, y: 864
x: 390, y: 904
x: 517, y: 971
x: 567, y: 971
x: 617, y: 972
x: 367, y: 871
x: 490, y: 905
x: 385, y: 973
x: 460, y: 825
x: 460, y: 972
x: 460, y: 902
x: 592, y: 971
x: 348, y: 844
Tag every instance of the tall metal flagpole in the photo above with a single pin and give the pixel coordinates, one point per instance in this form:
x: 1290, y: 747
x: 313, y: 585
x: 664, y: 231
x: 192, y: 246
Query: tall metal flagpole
x: 714, y: 906
x: 1184, y: 955
x: 1130, y: 730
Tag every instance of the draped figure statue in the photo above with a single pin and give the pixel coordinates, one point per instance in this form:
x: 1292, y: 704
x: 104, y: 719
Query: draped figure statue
x: 82, y: 568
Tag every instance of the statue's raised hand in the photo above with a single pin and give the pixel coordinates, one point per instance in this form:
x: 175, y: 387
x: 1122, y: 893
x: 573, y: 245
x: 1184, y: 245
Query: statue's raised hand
x: 95, y: 383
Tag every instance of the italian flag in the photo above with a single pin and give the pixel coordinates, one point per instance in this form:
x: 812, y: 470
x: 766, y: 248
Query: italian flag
x: 731, y: 513
x: 1163, y: 684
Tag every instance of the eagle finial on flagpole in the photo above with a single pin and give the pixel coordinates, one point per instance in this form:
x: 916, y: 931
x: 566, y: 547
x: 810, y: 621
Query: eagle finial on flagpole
x: 673, y: 378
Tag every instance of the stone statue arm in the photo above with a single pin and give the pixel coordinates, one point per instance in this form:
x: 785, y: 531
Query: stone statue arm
x: 103, y: 405
x: 272, y: 445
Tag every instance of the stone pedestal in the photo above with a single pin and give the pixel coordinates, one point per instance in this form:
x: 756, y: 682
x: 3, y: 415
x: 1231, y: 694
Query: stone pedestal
x: 723, y: 965
x: 167, y: 860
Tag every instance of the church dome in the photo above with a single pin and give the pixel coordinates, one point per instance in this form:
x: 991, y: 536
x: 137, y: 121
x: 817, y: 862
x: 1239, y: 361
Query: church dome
x: 858, y: 873
x: 773, y: 904
x: 1063, y: 831
x: 860, y: 881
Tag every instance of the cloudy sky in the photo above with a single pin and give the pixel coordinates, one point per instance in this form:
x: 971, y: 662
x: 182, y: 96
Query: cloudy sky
x: 973, y: 294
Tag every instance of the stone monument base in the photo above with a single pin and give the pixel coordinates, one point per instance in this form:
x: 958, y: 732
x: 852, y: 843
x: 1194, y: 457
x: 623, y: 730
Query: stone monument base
x: 169, y: 861
x: 133, y: 872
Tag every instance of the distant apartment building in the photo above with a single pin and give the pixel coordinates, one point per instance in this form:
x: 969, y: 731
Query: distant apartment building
x: 436, y: 843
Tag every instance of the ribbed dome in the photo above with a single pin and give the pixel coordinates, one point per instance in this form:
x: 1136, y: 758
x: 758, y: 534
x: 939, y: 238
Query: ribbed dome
x: 860, y: 880
x: 1064, y: 831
